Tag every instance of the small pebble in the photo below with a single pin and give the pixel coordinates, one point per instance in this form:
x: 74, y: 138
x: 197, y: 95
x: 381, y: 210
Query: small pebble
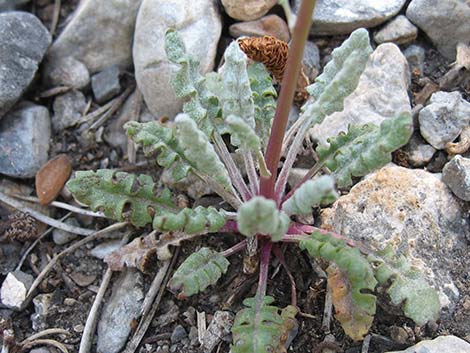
x: 271, y: 25
x: 69, y: 72
x: 399, y: 31
x: 415, y: 54
x: 105, y: 85
x: 178, y: 334
x: 456, y: 175
x: 51, y: 178
x: 14, y: 289
x: 62, y: 237
x: 68, y: 109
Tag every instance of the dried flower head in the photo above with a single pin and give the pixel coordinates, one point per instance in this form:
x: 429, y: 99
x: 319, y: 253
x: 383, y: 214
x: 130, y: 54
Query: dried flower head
x: 20, y: 226
x: 272, y: 52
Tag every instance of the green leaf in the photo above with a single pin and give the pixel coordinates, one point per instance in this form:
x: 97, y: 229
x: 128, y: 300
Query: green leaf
x: 236, y: 96
x: 199, y: 151
x: 261, y: 216
x: 260, y: 328
x: 339, y: 78
x: 200, y: 270
x: 312, y: 193
x: 365, y: 148
x: 125, y: 196
x: 408, y: 287
x: 242, y: 134
x: 264, y: 97
x: 201, y: 92
x: 356, y: 307
x: 159, y: 139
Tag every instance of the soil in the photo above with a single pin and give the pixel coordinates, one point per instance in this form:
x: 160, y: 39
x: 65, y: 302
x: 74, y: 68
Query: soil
x: 72, y: 301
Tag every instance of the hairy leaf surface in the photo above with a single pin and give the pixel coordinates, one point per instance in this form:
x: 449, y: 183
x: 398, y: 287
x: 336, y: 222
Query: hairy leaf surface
x: 261, y: 216
x: 365, y: 148
x: 242, y: 134
x: 125, y: 196
x: 356, y: 308
x: 408, y: 288
x: 264, y: 97
x: 200, y: 270
x: 261, y: 327
x: 312, y: 193
x: 199, y: 151
x: 157, y: 139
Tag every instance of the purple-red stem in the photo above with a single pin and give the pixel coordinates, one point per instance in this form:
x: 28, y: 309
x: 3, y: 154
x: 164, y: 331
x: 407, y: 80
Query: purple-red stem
x: 264, y: 268
x: 229, y: 227
x: 288, y: 86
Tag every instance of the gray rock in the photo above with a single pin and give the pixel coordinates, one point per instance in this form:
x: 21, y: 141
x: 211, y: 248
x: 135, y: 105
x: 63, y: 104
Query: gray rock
x: 447, y: 344
x: 333, y: 17
x: 105, y: 85
x: 394, y: 206
x: 445, y: 22
x: 99, y: 35
x: 247, y: 10
x: 371, y: 102
x: 415, y: 54
x: 11, y: 4
x: 24, y: 141
x: 271, y: 25
x: 42, y: 305
x: 106, y: 248
x: 122, y: 308
x: 68, y: 72
x: 456, y: 175
x: 418, y: 152
x: 62, y: 237
x: 311, y: 60
x: 40, y: 350
x: 399, y: 31
x: 14, y: 289
x: 443, y: 119
x: 68, y: 108
x: 200, y: 26
x: 24, y: 41
x: 178, y: 334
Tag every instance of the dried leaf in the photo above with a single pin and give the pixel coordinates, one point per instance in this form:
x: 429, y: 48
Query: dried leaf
x: 51, y: 178
x: 355, y: 318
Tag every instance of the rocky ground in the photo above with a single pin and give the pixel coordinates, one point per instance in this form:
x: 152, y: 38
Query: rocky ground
x: 71, y: 77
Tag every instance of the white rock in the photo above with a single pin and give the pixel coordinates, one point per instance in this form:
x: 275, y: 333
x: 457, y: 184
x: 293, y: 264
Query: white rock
x: 99, y: 35
x: 333, y: 17
x: 443, y: 119
x: 62, y: 237
x: 200, y: 26
x: 446, y: 22
x: 399, y: 31
x: 67, y: 72
x: 247, y: 10
x: 14, y: 289
x: 372, y: 102
x: 456, y: 175
x: 413, y: 211
x: 106, y: 248
x: 441, y: 344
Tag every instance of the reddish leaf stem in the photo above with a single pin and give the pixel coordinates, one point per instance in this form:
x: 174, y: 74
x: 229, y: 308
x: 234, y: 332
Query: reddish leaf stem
x: 263, y: 269
x: 289, y: 83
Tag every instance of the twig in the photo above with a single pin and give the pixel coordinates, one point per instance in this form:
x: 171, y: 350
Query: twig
x: 50, y: 331
x: 49, y: 342
x: 92, y: 319
x: 134, y: 116
x: 327, y: 310
x: 62, y: 205
x: 365, y: 344
x: 55, y: 17
x: 54, y: 91
x: 44, y: 219
x: 234, y: 249
x: 201, y: 325
x: 149, y: 312
x: 462, y: 146
x: 70, y: 249
x: 33, y: 245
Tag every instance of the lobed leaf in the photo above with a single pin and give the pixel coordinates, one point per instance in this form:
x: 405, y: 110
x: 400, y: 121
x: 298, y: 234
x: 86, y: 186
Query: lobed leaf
x: 261, y: 216
x: 408, y: 287
x: 236, y: 96
x: 121, y: 195
x: 354, y: 306
x: 365, y: 148
x: 339, y: 78
x: 200, y: 270
x: 264, y: 97
x: 312, y: 193
x: 242, y: 134
x: 260, y: 328
x: 199, y: 151
x: 159, y: 139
